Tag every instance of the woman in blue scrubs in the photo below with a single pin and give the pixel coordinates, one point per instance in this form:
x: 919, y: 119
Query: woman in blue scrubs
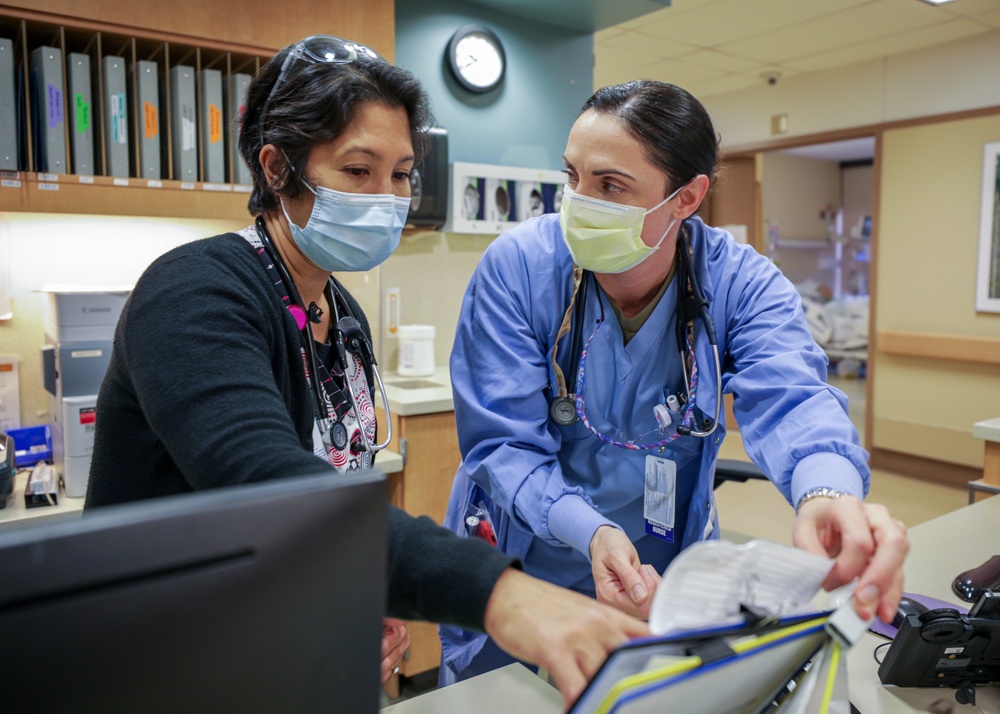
x: 601, y: 500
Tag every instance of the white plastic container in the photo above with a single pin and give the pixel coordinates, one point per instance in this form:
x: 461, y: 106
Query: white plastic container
x: 416, y: 350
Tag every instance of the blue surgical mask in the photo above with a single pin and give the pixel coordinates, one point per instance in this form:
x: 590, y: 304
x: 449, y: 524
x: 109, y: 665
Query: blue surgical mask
x: 350, y: 232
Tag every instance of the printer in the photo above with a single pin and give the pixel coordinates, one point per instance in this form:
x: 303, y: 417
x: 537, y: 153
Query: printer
x: 80, y: 326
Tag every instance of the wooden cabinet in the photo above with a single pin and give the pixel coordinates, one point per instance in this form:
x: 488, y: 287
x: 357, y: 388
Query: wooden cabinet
x: 429, y: 446
x: 189, y: 32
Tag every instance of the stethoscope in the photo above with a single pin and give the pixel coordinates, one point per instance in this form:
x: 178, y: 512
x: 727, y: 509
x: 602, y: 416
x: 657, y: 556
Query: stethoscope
x: 691, y: 305
x: 346, y: 336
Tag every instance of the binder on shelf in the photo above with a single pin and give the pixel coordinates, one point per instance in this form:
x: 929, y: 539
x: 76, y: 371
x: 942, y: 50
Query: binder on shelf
x: 183, y: 123
x: 79, y: 103
x: 236, y: 98
x: 211, y: 126
x: 8, y: 108
x: 46, y: 68
x: 146, y: 89
x: 115, y: 103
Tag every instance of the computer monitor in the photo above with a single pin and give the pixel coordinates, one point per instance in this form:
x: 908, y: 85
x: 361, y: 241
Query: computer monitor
x: 256, y: 598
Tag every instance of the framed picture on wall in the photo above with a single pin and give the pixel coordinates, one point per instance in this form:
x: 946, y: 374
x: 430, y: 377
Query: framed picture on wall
x: 988, y: 282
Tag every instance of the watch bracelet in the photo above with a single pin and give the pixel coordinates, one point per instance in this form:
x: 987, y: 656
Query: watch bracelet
x: 818, y: 492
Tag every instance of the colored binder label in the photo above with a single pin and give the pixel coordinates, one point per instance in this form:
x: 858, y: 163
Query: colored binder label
x: 119, y: 119
x: 152, y: 120
x: 55, y: 106
x: 187, y: 129
x: 82, y: 114
x: 214, y: 124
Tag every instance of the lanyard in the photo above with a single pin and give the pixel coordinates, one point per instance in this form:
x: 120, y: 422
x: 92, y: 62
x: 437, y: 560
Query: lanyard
x: 331, y: 401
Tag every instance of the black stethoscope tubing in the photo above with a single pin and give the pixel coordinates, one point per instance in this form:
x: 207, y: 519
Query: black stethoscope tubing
x: 691, y: 305
x: 338, y: 433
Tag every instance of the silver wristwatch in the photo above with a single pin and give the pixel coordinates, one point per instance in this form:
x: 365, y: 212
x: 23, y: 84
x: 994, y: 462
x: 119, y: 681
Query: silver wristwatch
x: 818, y: 492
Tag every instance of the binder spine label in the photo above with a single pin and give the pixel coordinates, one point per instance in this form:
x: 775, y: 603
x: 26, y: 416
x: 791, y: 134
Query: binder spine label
x: 119, y: 118
x: 152, y: 122
x: 55, y: 106
x: 215, y: 124
x: 82, y: 114
x: 188, y: 136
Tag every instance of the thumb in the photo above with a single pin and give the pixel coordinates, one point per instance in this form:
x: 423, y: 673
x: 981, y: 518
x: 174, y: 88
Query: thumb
x: 631, y: 581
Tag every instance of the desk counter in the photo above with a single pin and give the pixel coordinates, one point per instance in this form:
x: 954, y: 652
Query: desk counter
x: 941, y: 549
x: 989, y: 432
x: 411, y: 396
x: 388, y: 462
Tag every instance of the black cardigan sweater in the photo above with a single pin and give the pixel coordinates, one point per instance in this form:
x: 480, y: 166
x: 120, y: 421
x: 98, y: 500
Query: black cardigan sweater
x: 205, y: 389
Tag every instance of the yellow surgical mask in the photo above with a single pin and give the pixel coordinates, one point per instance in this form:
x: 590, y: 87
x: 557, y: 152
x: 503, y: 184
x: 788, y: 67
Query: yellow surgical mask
x: 603, y: 236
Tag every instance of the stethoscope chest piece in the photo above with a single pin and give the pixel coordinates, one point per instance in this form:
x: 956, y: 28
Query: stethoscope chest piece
x: 338, y: 435
x: 563, y: 411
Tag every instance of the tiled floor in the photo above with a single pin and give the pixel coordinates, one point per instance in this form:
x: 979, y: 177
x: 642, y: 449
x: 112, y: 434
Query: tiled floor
x: 756, y: 509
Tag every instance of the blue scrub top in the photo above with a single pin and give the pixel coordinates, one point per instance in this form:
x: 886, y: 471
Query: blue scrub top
x: 549, y: 487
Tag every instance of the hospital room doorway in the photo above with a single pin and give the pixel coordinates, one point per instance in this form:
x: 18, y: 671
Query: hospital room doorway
x: 811, y: 209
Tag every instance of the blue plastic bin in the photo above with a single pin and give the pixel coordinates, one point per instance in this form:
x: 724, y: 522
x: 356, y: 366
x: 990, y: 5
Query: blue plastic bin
x: 31, y: 445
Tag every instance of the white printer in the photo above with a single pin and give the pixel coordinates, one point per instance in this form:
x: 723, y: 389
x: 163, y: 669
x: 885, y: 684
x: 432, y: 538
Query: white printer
x: 80, y: 326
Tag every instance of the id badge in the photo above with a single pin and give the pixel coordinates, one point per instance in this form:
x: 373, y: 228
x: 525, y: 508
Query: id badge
x: 660, y: 498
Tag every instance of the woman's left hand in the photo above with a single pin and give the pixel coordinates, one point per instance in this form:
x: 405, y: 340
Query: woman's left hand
x: 620, y: 580
x: 867, y: 543
x: 395, y: 640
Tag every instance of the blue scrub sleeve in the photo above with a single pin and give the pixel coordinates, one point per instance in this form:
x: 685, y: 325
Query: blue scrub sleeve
x: 500, y: 374
x: 794, y: 425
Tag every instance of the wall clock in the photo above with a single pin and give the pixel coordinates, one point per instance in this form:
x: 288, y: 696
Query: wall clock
x: 476, y: 58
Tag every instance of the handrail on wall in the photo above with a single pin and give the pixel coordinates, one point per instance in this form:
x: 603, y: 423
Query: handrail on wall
x: 979, y: 350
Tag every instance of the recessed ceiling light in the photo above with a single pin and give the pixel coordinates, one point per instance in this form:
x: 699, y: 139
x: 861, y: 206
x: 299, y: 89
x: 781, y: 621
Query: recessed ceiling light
x: 937, y: 2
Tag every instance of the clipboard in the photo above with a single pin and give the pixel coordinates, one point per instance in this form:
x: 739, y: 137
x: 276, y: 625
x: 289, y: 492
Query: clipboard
x: 731, y: 669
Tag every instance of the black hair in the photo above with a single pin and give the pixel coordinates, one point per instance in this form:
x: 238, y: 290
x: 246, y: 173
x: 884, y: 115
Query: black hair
x: 314, y: 104
x: 669, y: 122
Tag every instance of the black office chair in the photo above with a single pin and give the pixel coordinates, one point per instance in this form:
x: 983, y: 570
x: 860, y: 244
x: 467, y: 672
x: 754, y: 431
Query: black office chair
x: 735, y: 470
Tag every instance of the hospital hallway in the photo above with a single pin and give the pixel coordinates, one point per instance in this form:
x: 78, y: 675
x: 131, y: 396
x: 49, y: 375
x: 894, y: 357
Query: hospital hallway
x: 755, y: 509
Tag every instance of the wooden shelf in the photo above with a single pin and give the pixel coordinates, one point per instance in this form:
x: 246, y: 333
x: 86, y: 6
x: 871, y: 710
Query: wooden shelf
x: 26, y: 191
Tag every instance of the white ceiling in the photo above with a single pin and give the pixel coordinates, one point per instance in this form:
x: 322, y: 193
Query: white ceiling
x: 716, y: 46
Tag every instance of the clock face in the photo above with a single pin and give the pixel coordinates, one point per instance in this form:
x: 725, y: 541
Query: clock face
x: 476, y: 58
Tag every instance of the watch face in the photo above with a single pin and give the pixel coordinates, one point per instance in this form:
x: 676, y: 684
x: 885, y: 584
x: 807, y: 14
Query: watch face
x: 476, y: 58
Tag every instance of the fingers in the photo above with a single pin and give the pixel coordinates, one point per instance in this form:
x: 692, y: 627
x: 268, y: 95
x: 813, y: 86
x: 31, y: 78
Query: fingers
x: 616, y: 570
x: 881, y: 584
x: 392, y: 637
x: 836, y: 528
x: 569, y: 680
x: 395, y: 642
x: 868, y: 543
x: 567, y: 633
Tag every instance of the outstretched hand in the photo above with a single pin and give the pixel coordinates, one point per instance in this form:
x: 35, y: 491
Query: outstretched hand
x: 867, y: 543
x: 620, y: 579
x: 568, y: 634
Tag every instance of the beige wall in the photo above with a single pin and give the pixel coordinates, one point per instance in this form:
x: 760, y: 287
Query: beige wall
x: 795, y: 190
x: 951, y: 77
x: 431, y: 270
x: 927, y: 249
x: 40, y: 248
